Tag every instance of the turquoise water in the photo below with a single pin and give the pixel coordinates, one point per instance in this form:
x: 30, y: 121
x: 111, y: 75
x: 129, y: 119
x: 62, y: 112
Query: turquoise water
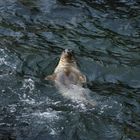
x: 105, y: 36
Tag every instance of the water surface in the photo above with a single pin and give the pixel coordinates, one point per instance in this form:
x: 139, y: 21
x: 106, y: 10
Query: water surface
x: 105, y: 36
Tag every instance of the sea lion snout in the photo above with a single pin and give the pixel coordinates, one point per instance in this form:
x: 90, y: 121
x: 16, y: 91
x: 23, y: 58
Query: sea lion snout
x: 68, y: 51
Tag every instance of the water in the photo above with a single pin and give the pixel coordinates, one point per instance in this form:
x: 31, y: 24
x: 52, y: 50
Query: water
x: 105, y: 36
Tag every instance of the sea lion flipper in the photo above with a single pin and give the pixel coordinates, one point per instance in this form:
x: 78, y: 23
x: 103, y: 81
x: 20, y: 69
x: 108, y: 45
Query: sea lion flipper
x: 50, y: 77
x: 82, y: 78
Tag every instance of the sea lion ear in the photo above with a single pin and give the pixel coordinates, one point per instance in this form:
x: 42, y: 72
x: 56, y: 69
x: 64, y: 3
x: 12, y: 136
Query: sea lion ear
x: 50, y: 77
x: 83, y: 78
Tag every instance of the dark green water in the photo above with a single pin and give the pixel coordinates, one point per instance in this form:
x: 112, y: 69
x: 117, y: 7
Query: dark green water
x: 105, y: 36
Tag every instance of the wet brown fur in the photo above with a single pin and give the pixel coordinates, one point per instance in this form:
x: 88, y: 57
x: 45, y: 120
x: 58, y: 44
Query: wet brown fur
x: 67, y: 72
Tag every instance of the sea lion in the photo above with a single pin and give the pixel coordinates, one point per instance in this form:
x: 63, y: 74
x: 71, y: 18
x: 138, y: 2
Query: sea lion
x: 67, y: 72
x: 69, y: 80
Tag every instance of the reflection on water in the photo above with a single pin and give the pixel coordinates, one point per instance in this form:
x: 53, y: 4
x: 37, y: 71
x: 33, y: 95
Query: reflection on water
x: 105, y: 37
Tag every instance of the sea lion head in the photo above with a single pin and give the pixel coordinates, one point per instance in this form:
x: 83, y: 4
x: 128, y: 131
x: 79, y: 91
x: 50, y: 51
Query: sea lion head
x: 67, y: 56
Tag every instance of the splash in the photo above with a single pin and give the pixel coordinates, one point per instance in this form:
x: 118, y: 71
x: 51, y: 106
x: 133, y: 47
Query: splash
x: 29, y: 84
x: 6, y: 60
x: 77, y: 94
x: 28, y: 89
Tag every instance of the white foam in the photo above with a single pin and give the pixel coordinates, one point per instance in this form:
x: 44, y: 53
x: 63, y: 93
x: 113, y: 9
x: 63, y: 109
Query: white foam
x: 29, y: 84
x: 77, y: 94
x: 74, y: 92
x: 53, y: 132
x: 5, y: 59
x: 49, y: 115
x: 12, y: 108
x: 2, y: 61
x: 29, y: 101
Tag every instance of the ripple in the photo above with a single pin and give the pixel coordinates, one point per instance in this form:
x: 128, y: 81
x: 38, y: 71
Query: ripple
x: 105, y: 38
